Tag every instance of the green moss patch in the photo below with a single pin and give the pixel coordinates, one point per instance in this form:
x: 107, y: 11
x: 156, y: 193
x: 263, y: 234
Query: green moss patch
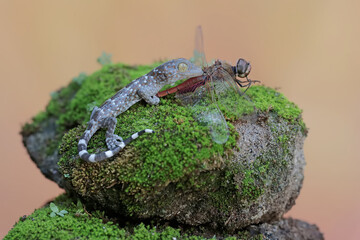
x: 96, y: 89
x: 74, y: 224
x: 267, y: 99
x: 78, y: 223
x: 179, y: 147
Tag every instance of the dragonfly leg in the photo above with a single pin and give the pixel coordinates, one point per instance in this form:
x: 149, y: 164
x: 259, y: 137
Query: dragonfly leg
x: 248, y: 81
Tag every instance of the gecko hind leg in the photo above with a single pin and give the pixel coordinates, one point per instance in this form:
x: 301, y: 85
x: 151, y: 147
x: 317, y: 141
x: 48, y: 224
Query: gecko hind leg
x: 112, y: 140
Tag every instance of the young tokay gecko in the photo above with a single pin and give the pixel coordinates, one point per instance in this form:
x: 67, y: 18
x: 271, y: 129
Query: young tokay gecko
x: 145, y: 87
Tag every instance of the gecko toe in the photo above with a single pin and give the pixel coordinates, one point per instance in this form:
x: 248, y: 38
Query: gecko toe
x: 113, y: 141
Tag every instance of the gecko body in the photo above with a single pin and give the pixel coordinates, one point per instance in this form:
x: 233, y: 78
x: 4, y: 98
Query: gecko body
x: 145, y: 87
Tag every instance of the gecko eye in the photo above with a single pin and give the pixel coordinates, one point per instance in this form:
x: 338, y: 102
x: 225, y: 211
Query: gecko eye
x: 183, y: 67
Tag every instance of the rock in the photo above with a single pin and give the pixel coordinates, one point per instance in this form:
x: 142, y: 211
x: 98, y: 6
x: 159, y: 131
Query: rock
x: 179, y: 174
x: 256, y: 184
x: 286, y: 229
x: 79, y: 223
x: 36, y: 144
x: 229, y: 188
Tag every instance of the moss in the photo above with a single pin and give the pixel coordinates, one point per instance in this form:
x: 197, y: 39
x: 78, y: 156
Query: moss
x: 97, y: 88
x: 255, y: 177
x: 180, y: 148
x: 157, y: 157
x: 249, y: 188
x: 52, y: 145
x: 233, y: 191
x: 266, y: 99
x: 39, y: 225
x: 32, y: 127
x: 242, y: 184
x: 79, y: 223
x: 227, y: 194
x: 181, y: 151
x: 152, y: 160
x: 269, y: 100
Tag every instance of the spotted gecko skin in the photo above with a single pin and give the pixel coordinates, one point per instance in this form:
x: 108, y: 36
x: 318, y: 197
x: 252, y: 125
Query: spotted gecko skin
x: 144, y: 87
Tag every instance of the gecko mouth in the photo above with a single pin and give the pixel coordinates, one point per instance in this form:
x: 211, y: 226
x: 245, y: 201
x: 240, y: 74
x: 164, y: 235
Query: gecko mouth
x: 198, y: 73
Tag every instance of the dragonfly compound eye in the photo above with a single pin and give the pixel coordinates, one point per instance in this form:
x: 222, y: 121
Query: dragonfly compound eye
x: 183, y: 67
x: 243, y: 68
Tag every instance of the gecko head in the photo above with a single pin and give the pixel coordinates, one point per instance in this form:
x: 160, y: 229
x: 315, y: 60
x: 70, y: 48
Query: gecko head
x: 180, y: 68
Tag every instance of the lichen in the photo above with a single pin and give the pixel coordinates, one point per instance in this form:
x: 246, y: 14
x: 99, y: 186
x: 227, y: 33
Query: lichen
x: 80, y: 223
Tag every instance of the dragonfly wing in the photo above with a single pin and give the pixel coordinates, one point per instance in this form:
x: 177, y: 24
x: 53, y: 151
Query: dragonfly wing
x: 206, y: 111
x: 192, y: 92
x: 192, y: 98
x: 199, y: 53
x: 213, y: 116
x: 216, y: 96
x: 229, y: 95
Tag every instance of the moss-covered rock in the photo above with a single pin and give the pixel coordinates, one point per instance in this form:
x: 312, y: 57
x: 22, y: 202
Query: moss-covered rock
x: 179, y: 173
x: 80, y: 223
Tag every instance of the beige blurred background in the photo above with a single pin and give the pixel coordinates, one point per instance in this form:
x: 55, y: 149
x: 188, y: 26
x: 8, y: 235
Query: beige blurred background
x: 308, y: 49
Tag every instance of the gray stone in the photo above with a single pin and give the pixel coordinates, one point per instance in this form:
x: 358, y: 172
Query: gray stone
x: 36, y: 144
x: 283, y: 229
x: 286, y: 229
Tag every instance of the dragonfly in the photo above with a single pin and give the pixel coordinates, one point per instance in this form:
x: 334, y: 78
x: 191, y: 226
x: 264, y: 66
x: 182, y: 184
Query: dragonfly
x: 218, y: 88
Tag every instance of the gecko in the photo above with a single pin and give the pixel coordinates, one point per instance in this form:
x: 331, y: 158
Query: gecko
x: 145, y: 87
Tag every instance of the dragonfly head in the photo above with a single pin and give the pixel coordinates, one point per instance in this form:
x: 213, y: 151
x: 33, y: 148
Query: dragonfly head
x: 243, y: 68
x: 179, y: 69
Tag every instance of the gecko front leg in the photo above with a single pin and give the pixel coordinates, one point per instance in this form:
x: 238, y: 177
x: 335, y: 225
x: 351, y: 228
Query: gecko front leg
x: 150, y: 99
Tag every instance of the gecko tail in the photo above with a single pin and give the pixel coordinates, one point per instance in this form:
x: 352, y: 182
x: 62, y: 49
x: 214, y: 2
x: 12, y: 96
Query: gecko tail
x: 97, y: 157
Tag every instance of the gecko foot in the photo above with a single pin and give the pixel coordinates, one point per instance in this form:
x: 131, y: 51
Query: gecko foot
x: 113, y: 141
